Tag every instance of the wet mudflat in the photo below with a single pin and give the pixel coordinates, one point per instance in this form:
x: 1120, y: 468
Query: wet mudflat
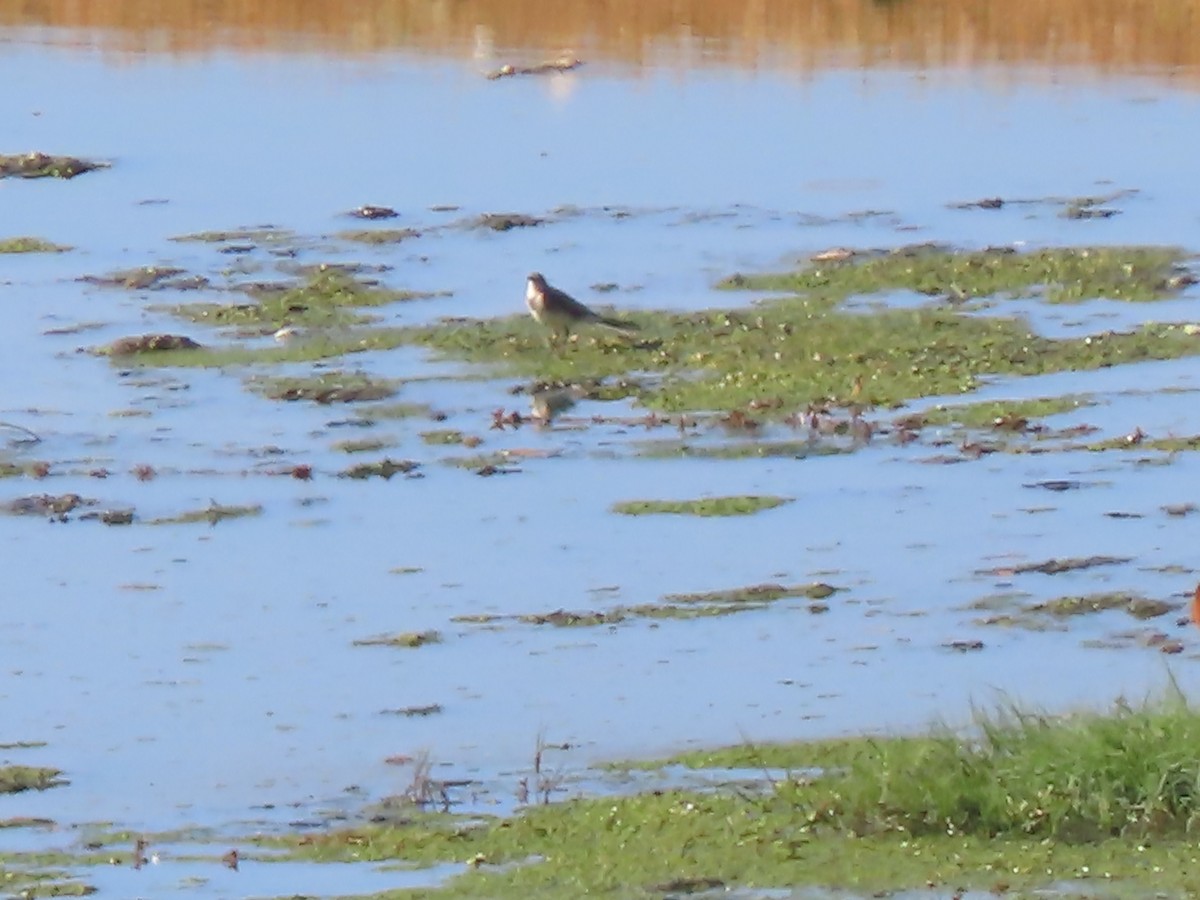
x: 245, y: 595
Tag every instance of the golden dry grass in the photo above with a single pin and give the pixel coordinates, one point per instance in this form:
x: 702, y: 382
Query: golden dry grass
x: 1099, y: 35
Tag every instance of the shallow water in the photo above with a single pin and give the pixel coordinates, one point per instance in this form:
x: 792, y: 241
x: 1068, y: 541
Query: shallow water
x: 206, y: 675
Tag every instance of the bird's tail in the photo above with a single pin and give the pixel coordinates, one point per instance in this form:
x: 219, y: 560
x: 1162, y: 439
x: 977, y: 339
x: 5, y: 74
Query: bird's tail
x: 617, y: 325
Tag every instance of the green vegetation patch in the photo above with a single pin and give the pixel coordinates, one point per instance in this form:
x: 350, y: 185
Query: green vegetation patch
x: 43, y: 165
x: 384, y: 468
x: 1163, y: 444
x: 378, y: 235
x: 788, y: 352
x: 503, y: 221
x: 1008, y: 415
x: 326, y: 298
x: 212, y: 514
x: 1069, y: 274
x: 1137, y: 606
x: 312, y: 347
x: 757, y: 593
x: 673, y: 606
x: 407, y: 639
x: 30, y: 245
x: 742, y: 505
x: 443, y: 436
x: 1006, y: 610
x: 363, y: 445
x: 753, y: 449
x: 1076, y: 779
x: 46, y: 882
x: 14, y: 779
x: 328, y: 387
x: 376, y: 411
x: 260, y: 235
x: 148, y: 278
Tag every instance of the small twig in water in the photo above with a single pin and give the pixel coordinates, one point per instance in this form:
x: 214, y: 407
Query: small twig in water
x: 30, y: 437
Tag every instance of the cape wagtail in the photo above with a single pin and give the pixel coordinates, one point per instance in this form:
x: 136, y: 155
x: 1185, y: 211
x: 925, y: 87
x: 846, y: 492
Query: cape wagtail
x: 558, y: 310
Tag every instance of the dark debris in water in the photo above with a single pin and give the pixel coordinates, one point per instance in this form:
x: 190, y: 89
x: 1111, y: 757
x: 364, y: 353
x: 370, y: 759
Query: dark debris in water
x: 673, y: 606
x: 562, y: 64
x: 254, y: 235
x: 212, y: 514
x: 149, y: 278
x: 1087, y: 207
x: 688, y: 886
x: 384, y: 468
x: 110, y: 516
x: 757, y: 593
x: 1052, y: 615
x: 1137, y: 606
x: 414, y: 712
x: 964, y: 646
x: 487, y: 470
x: 148, y: 343
x: 330, y: 387
x: 1058, y: 485
x: 1057, y: 566
x: 1180, y: 509
x: 1077, y: 211
x: 562, y: 618
x: 49, y: 505
x: 406, y: 639
x: 1148, y: 638
x: 504, y: 221
x: 369, y: 211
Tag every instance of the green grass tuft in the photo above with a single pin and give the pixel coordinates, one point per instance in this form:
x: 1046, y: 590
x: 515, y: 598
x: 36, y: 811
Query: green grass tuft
x: 1080, y: 778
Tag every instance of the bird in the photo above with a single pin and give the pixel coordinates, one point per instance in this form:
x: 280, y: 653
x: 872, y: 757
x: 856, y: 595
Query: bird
x: 558, y: 310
